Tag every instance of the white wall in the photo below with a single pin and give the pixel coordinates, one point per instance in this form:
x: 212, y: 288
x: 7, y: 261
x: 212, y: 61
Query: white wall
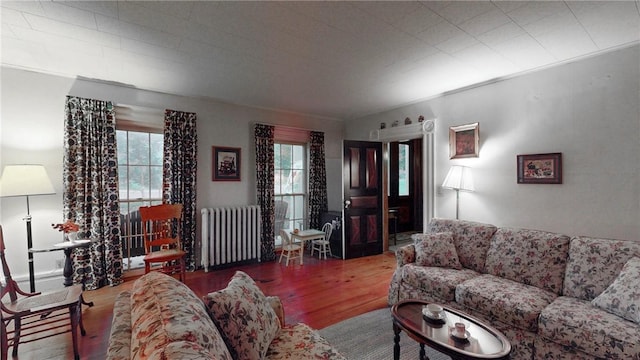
x: 32, y: 132
x: 587, y: 110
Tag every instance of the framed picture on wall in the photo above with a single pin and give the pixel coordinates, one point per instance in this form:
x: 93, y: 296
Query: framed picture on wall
x: 225, y: 163
x: 464, y: 141
x: 540, y: 168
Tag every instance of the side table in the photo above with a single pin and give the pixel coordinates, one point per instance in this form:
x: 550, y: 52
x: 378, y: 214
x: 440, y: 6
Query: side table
x: 67, y: 271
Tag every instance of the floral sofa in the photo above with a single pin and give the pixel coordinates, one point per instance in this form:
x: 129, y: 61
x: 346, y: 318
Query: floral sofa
x: 554, y: 297
x: 161, y: 318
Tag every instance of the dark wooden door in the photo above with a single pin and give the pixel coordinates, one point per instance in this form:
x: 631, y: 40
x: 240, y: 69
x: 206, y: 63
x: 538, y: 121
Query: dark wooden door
x: 362, y: 198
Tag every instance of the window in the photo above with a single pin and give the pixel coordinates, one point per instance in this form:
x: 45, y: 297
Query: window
x: 403, y: 170
x: 140, y: 183
x: 290, y: 183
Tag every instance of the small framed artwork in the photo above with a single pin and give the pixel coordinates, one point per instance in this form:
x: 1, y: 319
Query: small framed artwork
x: 226, y: 163
x: 464, y: 141
x: 540, y: 168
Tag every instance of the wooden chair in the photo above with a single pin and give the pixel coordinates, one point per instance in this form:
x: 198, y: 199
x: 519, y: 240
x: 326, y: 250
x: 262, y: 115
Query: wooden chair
x: 323, y: 246
x: 37, y: 316
x: 289, y: 250
x: 161, y: 231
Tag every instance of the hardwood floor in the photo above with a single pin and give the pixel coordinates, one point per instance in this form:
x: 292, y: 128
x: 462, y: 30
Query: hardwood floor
x: 319, y: 293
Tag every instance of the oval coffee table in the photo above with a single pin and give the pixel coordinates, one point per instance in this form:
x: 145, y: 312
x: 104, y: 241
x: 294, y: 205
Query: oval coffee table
x: 483, y: 342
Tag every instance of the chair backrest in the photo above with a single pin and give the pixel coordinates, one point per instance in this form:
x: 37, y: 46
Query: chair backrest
x: 10, y: 285
x: 286, y: 240
x: 327, y: 229
x: 161, y: 226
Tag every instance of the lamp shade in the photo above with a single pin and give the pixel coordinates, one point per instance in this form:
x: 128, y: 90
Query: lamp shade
x: 21, y: 180
x: 459, y: 178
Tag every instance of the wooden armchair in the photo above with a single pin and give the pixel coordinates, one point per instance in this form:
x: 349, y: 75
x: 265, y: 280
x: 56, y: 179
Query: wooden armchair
x: 34, y: 316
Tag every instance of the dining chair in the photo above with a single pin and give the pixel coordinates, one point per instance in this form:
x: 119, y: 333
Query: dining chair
x: 35, y: 316
x: 324, y: 245
x: 161, y: 231
x: 289, y: 249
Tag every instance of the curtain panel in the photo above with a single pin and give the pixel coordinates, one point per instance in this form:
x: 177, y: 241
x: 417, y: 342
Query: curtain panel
x: 264, y: 188
x: 179, y: 174
x: 318, y: 203
x: 90, y: 189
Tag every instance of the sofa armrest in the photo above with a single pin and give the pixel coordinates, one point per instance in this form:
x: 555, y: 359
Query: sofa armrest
x: 406, y: 255
x: 277, y: 306
x: 120, y: 337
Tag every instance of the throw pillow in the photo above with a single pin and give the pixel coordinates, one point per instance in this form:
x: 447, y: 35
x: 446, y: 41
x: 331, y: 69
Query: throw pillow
x: 244, y: 317
x: 621, y: 297
x: 437, y: 250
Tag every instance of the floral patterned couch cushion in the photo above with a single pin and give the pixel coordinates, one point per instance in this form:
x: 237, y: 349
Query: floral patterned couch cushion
x: 622, y: 297
x: 508, y: 301
x: 471, y: 239
x: 120, y: 336
x: 578, y: 325
x: 244, y: 316
x: 531, y: 257
x: 301, y: 342
x: 594, y: 263
x: 164, y: 310
x: 439, y: 282
x: 436, y: 250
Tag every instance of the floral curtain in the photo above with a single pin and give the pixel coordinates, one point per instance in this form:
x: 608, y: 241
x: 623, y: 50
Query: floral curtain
x: 90, y: 189
x: 318, y: 203
x: 264, y: 183
x: 179, y: 174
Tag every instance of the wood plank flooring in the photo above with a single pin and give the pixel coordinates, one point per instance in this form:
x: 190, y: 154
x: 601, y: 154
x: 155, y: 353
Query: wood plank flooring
x: 319, y: 293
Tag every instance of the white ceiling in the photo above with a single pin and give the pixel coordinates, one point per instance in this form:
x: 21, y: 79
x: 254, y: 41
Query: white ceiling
x: 335, y: 59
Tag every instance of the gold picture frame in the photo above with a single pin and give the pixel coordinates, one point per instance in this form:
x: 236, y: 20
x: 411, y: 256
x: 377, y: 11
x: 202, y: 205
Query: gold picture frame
x: 464, y: 141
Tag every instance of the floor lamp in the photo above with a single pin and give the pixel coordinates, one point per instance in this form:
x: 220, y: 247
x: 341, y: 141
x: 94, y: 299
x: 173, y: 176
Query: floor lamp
x: 458, y: 178
x: 26, y: 180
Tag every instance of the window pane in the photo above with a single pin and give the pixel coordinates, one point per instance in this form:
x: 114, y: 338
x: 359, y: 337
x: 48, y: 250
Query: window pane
x: 403, y: 170
x: 156, y: 182
x: 138, y: 182
x: 123, y: 181
x: 121, y: 141
x: 138, y: 148
x: 157, y: 148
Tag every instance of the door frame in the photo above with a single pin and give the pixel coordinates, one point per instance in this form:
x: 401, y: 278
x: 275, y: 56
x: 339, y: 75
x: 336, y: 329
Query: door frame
x: 425, y: 130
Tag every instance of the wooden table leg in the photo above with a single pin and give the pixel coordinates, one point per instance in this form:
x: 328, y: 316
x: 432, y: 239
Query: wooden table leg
x: 396, y: 342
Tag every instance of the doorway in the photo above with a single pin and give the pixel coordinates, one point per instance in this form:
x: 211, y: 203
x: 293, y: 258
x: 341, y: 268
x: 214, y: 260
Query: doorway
x: 404, y: 191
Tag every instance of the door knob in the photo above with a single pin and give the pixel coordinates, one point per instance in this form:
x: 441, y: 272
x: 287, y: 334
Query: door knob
x: 347, y: 204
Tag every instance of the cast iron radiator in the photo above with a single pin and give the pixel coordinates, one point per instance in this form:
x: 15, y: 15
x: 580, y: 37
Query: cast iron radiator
x: 230, y: 235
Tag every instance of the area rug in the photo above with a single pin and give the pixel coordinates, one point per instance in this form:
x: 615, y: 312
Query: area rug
x: 370, y: 336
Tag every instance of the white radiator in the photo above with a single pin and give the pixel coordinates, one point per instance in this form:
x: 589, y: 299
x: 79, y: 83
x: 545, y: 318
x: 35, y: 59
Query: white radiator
x: 230, y: 235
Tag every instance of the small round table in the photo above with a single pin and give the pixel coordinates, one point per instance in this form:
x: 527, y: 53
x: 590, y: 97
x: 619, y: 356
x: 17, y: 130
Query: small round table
x: 66, y: 246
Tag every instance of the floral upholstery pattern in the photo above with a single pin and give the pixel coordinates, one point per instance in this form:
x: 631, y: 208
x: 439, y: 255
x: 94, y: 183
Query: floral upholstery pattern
x: 441, y: 282
x: 436, y: 250
x: 471, y: 238
x: 622, y: 297
x: 164, y: 310
x: 183, y: 320
x: 301, y: 342
x: 531, y: 257
x: 120, y: 337
x: 406, y: 254
x: 580, y: 327
x: 594, y: 263
x: 183, y: 350
x: 244, y: 316
x: 519, y: 286
x: 508, y: 301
